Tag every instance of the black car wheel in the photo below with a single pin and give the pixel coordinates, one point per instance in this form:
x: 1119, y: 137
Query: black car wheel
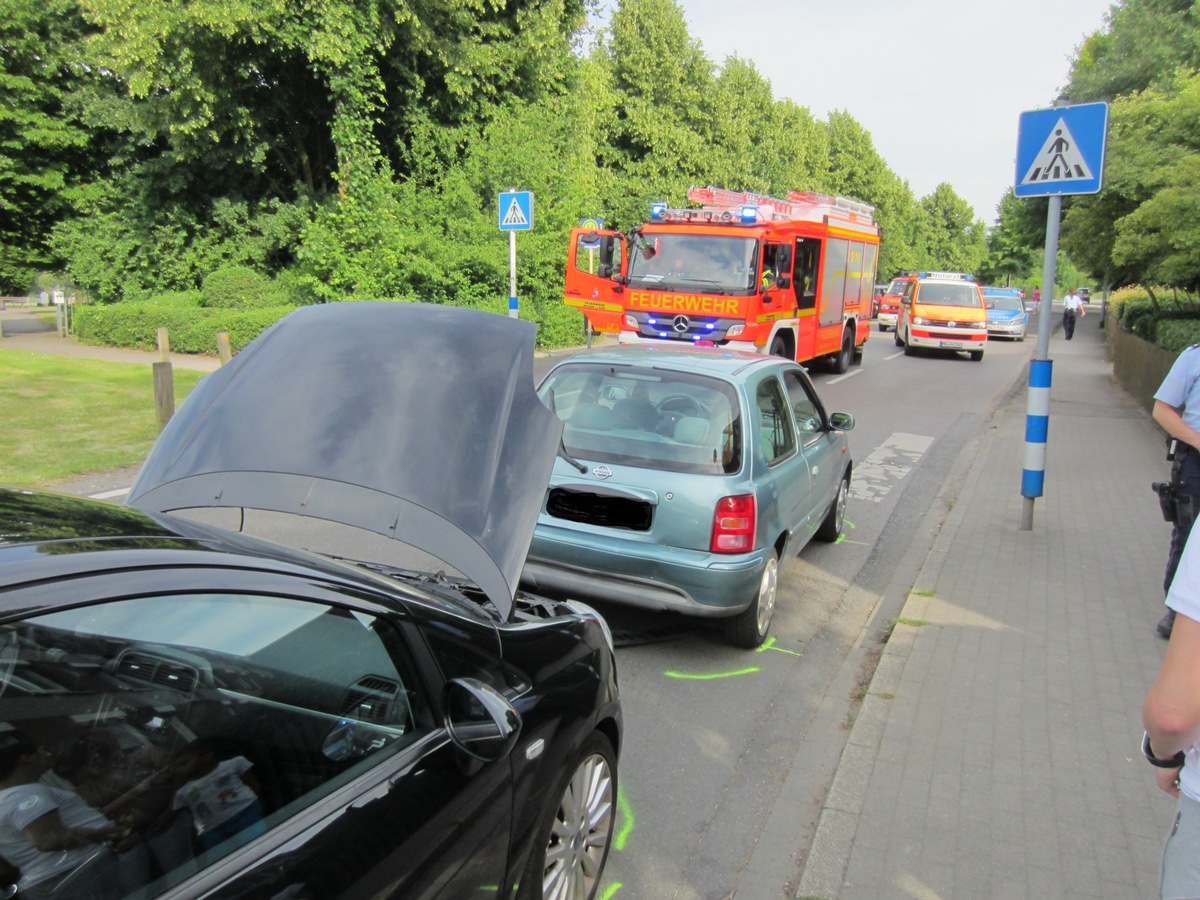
x: 576, y: 830
x: 831, y: 526
x: 896, y: 336
x: 749, y: 627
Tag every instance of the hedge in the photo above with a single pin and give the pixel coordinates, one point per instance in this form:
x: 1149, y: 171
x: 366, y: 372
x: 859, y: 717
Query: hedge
x: 191, y: 329
x: 1170, y: 323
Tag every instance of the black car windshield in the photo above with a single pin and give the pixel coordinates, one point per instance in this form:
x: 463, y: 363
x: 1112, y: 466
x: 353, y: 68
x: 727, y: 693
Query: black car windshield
x: 647, y: 417
x: 944, y: 294
x: 694, y: 262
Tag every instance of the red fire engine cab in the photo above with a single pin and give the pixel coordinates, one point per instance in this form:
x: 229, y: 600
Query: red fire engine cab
x: 791, y: 277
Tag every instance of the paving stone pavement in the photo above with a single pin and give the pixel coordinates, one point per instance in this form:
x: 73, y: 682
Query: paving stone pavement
x: 997, y: 752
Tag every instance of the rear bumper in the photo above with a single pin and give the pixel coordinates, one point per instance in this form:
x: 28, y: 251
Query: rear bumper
x: 641, y: 575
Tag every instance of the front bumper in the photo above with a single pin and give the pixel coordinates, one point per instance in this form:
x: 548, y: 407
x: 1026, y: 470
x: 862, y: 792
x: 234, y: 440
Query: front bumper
x: 1006, y: 329
x: 887, y: 318
x: 938, y: 338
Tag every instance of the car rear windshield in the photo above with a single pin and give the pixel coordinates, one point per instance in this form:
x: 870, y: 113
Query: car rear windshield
x: 647, y: 417
x: 935, y: 294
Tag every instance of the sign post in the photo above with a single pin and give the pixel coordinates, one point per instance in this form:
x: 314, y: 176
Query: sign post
x: 1059, y: 151
x: 516, y: 214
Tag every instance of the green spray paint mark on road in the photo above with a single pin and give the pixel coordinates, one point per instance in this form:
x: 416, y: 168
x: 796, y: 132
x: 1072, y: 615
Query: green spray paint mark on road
x: 769, y: 644
x: 611, y: 891
x: 684, y: 676
x: 628, y: 820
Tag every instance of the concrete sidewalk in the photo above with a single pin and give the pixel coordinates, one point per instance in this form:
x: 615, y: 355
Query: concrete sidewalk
x: 997, y: 752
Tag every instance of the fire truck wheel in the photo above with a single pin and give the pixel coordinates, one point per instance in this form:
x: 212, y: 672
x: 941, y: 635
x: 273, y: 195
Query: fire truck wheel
x: 909, y: 350
x: 779, y: 347
x: 896, y: 337
x: 882, y: 327
x: 845, y: 356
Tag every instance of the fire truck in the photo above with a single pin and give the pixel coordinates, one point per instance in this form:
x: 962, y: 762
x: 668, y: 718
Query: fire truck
x: 791, y: 277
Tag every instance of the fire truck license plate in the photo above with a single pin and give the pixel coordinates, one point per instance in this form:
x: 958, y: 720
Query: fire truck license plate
x: 951, y: 345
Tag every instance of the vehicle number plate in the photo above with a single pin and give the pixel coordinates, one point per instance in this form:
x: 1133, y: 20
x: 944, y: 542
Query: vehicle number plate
x: 951, y: 345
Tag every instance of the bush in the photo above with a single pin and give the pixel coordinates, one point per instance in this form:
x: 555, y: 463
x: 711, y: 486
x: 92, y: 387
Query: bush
x: 1170, y: 323
x: 238, y: 287
x: 1177, y: 334
x: 190, y: 328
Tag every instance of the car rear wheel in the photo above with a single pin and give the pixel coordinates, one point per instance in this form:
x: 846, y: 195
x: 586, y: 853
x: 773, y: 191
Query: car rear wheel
x: 575, y: 831
x: 749, y: 627
x: 831, y: 527
x: 976, y: 355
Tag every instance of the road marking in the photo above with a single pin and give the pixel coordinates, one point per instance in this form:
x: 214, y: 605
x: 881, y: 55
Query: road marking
x: 849, y: 374
x: 894, y: 355
x: 686, y: 677
x: 108, y: 495
x: 875, y: 476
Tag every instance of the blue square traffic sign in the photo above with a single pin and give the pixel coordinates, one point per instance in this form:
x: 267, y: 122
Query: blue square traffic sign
x: 516, y: 210
x: 1061, y: 150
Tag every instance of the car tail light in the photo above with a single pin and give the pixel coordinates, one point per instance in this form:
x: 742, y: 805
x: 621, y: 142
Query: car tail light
x: 733, y: 524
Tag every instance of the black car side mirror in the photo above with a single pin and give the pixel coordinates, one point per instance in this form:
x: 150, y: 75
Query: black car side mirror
x: 482, y: 723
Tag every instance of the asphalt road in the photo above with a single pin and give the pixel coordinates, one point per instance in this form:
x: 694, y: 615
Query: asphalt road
x: 729, y: 753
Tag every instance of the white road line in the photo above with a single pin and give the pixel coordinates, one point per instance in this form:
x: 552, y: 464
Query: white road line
x: 857, y: 371
x: 108, y: 495
x: 887, y: 465
x: 894, y: 355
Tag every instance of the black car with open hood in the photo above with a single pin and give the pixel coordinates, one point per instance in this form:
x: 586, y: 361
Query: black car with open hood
x: 199, y: 712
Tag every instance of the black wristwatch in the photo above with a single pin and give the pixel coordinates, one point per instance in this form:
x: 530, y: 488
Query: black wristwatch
x: 1174, y: 762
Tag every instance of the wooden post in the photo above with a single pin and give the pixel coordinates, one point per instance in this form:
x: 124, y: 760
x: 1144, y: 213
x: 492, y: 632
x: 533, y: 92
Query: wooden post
x: 223, y: 350
x: 164, y: 345
x: 164, y: 393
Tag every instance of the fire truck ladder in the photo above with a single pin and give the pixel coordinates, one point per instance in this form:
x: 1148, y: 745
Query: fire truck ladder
x: 801, y: 205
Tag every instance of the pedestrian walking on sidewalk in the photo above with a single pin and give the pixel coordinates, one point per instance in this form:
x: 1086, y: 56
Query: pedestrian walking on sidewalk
x: 1177, y: 410
x: 1171, y: 716
x: 1072, y: 306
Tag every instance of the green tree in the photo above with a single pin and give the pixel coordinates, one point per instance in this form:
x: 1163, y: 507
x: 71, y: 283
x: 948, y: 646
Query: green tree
x: 954, y: 240
x: 44, y: 148
x: 1012, y: 243
x: 1144, y: 42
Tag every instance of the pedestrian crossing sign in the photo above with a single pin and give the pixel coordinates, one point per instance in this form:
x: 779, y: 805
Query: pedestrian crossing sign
x: 1061, y: 150
x: 516, y: 210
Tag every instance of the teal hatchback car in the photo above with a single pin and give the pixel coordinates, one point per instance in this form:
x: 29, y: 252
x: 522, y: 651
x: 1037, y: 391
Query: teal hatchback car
x: 685, y: 476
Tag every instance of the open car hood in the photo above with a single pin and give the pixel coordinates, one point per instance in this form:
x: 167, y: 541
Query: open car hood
x: 413, y: 421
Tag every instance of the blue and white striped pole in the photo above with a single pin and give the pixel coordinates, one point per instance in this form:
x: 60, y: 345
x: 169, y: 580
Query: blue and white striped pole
x: 1037, y: 408
x: 1037, y: 426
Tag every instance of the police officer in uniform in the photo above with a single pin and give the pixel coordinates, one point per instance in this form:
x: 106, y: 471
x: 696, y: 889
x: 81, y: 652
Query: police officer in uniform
x: 1177, y: 410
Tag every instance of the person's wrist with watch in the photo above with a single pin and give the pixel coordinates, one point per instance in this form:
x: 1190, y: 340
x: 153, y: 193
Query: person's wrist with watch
x: 1171, y: 762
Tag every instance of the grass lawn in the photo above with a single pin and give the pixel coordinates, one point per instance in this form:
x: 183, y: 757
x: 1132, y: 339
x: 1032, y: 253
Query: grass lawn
x: 62, y: 417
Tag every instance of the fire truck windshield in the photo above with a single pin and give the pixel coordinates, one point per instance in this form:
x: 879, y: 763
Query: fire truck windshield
x: 707, y: 263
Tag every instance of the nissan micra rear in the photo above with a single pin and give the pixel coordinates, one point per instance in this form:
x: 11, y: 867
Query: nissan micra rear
x: 686, y: 476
